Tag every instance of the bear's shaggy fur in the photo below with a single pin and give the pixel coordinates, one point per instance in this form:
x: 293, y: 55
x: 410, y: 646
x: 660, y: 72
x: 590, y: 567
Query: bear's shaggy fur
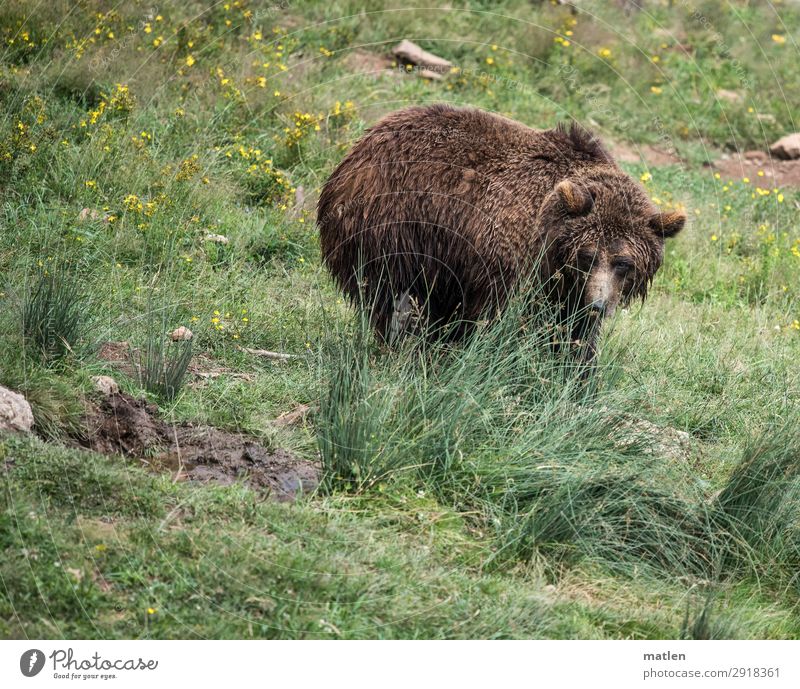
x: 447, y: 208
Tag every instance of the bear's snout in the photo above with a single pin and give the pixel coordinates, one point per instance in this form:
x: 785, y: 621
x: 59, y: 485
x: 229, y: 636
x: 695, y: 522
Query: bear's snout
x: 602, y: 291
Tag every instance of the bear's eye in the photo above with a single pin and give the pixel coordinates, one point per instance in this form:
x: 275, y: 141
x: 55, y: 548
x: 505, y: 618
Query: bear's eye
x: 622, y: 265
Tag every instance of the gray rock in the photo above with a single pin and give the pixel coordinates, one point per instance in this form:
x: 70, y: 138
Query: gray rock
x: 15, y: 412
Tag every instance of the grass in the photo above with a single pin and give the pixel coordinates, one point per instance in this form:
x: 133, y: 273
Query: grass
x: 482, y: 490
x: 162, y: 364
x: 53, y: 315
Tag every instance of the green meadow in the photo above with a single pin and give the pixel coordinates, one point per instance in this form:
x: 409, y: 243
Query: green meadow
x: 159, y: 167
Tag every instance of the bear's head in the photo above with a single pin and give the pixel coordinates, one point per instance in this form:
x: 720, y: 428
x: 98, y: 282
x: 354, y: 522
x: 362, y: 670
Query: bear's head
x: 603, y: 241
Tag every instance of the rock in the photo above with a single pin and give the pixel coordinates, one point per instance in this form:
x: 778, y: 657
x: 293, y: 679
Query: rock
x: 105, y: 385
x: 766, y: 117
x: 89, y: 214
x: 755, y: 155
x: 787, y: 148
x: 217, y: 238
x: 181, y: 334
x: 15, y: 412
x: 431, y: 66
x: 294, y: 417
x: 729, y: 96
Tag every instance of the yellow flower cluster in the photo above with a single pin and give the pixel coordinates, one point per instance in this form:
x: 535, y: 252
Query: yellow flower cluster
x: 107, y: 25
x: 120, y: 101
x: 227, y: 324
x: 273, y: 185
x: 304, y: 124
x: 342, y: 112
x: 12, y: 37
x: 566, y: 33
x: 141, y: 209
x: 24, y: 136
x: 188, y: 168
x: 230, y: 90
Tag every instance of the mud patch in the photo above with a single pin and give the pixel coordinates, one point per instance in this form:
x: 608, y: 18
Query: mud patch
x: 121, y: 424
x: 777, y: 173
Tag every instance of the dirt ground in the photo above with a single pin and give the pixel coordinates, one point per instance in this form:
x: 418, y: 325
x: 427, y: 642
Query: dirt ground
x: 777, y: 173
x: 731, y: 166
x: 121, y: 424
x: 651, y: 155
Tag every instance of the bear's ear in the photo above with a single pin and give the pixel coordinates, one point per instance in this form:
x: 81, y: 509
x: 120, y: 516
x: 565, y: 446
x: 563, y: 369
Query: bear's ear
x: 668, y: 224
x: 576, y: 199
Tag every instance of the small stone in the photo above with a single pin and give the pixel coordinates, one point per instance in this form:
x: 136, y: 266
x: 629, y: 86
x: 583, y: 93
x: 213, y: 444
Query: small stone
x: 89, y: 214
x: 787, y: 148
x: 181, y: 333
x: 15, y: 412
x: 105, y: 385
x: 294, y: 417
x: 217, y: 238
x: 409, y: 52
x: 729, y: 96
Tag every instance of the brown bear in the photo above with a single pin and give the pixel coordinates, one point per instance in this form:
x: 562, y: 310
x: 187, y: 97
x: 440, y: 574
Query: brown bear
x: 444, y: 210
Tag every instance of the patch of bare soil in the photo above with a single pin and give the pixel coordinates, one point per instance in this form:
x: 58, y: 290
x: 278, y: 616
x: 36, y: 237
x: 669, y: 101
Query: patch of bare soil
x: 777, y: 173
x: 362, y: 61
x: 121, y: 424
x: 120, y: 355
x: 651, y: 155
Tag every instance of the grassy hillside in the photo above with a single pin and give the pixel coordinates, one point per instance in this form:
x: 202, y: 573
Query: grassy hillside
x: 159, y: 167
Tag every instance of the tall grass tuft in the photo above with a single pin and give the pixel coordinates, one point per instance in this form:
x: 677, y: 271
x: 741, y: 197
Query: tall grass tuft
x: 504, y: 427
x: 56, y: 403
x: 54, y: 314
x: 760, y: 505
x: 162, y: 363
x: 705, y: 625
